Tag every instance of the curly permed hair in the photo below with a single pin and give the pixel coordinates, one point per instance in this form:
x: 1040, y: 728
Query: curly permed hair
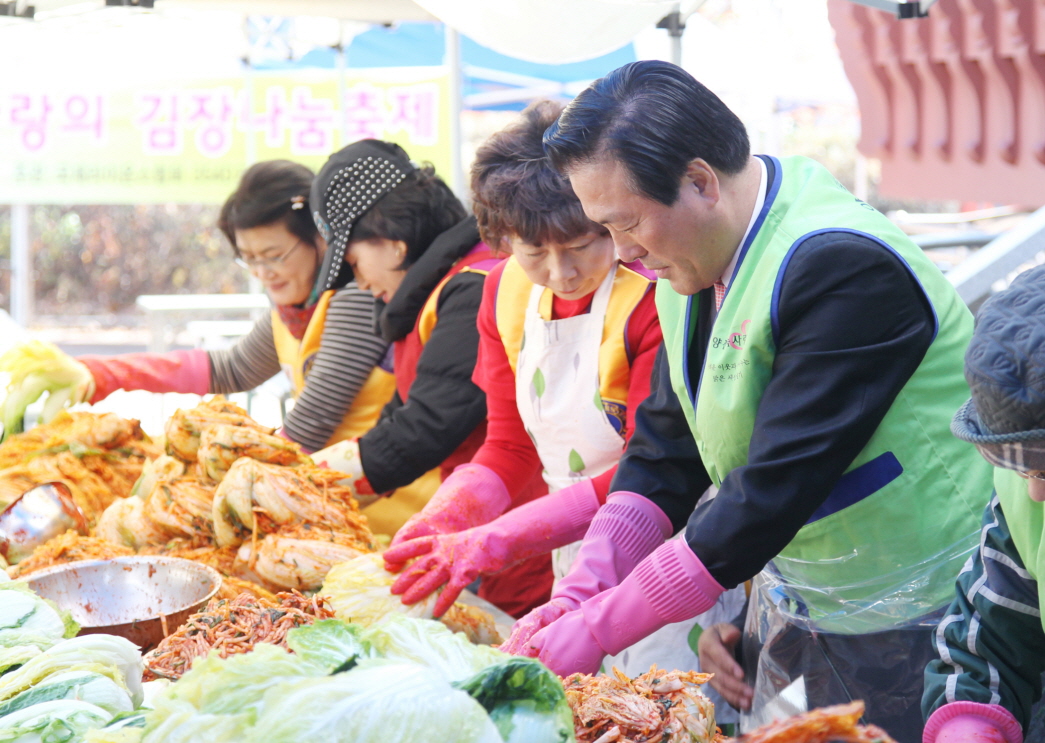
x: 517, y: 193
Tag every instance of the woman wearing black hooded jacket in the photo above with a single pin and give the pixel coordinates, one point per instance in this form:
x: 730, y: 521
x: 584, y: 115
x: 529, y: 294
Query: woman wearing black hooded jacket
x: 403, y: 235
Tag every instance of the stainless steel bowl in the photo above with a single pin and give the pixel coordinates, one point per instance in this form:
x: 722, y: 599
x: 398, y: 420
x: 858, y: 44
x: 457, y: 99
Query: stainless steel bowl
x: 41, y: 513
x: 142, y: 598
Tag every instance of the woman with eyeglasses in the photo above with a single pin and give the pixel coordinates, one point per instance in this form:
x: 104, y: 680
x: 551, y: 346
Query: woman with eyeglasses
x: 322, y: 338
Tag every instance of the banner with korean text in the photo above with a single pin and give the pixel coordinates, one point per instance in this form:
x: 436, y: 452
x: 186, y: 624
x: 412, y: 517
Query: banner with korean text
x: 189, y: 141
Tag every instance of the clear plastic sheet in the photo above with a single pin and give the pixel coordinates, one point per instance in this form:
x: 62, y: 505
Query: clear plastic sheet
x: 886, y: 592
x: 794, y: 667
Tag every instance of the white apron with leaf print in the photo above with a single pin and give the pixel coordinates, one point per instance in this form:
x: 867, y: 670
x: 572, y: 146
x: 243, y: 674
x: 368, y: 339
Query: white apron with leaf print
x: 557, y: 391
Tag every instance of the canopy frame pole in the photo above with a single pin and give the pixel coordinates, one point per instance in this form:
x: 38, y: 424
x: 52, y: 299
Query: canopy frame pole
x: 675, y: 25
x: 455, y: 73
x: 247, y: 66
x: 341, y: 65
x: 21, y: 266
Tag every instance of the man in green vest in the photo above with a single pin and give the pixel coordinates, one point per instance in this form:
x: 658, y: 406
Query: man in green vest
x: 991, y: 643
x: 812, y: 359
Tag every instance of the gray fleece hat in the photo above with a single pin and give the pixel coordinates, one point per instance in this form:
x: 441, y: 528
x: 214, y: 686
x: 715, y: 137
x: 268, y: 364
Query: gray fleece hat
x: 1005, y: 368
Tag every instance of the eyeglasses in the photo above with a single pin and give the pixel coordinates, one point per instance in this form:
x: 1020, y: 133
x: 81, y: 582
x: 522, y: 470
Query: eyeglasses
x: 257, y: 263
x: 1036, y: 475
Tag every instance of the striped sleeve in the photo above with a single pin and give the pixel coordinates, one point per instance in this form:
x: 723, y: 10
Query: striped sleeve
x: 248, y: 363
x: 991, y: 644
x: 349, y: 350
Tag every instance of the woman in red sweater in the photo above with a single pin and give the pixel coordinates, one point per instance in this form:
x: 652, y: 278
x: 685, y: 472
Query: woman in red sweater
x: 568, y: 336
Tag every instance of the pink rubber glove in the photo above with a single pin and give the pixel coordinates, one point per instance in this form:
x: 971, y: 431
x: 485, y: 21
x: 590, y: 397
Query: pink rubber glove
x: 972, y: 722
x: 470, y: 496
x: 174, y: 371
x: 670, y: 585
x: 458, y: 559
x: 626, y: 529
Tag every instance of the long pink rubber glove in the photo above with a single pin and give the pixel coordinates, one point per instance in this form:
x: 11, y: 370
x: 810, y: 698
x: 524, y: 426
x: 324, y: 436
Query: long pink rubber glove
x: 670, y: 585
x: 470, y: 496
x: 972, y: 722
x: 458, y: 559
x: 173, y: 371
x: 626, y: 529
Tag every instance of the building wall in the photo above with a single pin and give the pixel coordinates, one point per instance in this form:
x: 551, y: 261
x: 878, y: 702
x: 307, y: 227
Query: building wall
x: 953, y: 104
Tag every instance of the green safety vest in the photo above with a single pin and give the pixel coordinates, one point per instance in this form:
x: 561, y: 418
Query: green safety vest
x: 889, y: 541
x: 1026, y: 519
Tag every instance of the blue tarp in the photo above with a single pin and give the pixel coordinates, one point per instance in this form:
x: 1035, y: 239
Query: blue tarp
x: 487, y: 74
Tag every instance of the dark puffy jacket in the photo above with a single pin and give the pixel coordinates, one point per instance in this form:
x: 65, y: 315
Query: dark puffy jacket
x: 444, y: 405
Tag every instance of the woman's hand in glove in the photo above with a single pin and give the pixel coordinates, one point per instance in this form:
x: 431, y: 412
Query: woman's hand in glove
x: 471, y: 496
x: 35, y: 368
x: 457, y: 559
x: 450, y: 560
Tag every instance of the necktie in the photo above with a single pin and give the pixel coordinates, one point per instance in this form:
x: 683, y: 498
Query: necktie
x: 720, y: 293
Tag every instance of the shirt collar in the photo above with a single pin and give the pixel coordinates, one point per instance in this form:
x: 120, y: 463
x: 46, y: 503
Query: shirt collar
x: 727, y: 275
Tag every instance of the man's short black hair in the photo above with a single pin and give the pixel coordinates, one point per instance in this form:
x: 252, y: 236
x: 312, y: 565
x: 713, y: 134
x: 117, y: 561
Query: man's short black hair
x: 654, y: 118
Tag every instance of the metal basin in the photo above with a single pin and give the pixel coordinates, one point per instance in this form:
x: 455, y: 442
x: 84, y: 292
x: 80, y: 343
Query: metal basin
x: 37, y: 515
x: 142, y: 598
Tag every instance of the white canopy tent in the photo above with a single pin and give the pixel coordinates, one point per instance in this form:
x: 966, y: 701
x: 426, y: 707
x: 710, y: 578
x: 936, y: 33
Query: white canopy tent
x: 91, y: 38
x: 548, y: 31
x: 367, y: 11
